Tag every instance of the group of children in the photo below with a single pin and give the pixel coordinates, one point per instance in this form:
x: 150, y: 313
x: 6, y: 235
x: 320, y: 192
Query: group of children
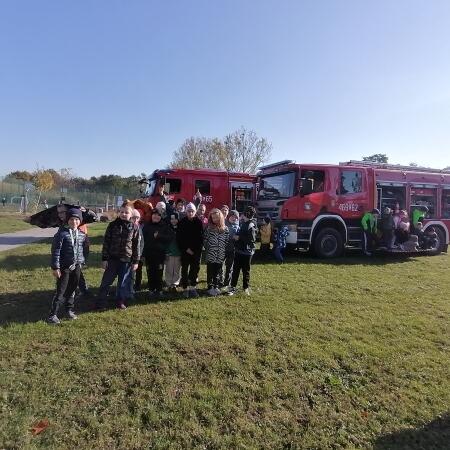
x: 394, y: 230
x: 170, y: 239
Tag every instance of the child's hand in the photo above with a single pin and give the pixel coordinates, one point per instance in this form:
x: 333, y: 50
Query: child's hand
x: 155, y: 234
x: 104, y: 265
x: 56, y: 273
x: 189, y: 252
x: 236, y: 237
x: 134, y: 267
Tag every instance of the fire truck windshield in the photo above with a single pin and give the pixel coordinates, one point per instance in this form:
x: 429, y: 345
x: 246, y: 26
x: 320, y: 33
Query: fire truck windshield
x: 151, y: 187
x: 276, y: 186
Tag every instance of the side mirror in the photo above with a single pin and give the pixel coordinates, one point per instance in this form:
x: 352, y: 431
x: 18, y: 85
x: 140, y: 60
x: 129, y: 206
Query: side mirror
x: 306, y: 186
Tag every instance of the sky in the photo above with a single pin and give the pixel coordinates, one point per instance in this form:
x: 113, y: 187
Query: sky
x: 108, y: 86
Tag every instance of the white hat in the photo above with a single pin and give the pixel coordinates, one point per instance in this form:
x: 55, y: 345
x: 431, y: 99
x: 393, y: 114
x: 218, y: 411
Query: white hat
x: 191, y: 206
x: 160, y: 205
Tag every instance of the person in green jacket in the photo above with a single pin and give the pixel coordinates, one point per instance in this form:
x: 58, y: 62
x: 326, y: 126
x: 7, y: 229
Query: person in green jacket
x: 369, y: 225
x: 418, y: 214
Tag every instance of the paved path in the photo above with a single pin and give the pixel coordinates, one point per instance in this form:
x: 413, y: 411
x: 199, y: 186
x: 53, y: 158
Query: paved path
x: 9, y: 241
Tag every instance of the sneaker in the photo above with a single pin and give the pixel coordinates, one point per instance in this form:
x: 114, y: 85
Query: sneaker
x: 231, y: 291
x: 72, y: 315
x: 217, y: 291
x: 194, y: 293
x: 122, y: 305
x: 53, y: 320
x: 247, y: 291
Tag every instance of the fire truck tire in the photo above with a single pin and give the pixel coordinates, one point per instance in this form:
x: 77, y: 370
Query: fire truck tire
x: 328, y: 243
x: 440, y: 241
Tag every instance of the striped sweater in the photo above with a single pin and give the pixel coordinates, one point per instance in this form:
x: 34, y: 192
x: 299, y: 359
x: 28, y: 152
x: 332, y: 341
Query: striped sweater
x: 215, y: 243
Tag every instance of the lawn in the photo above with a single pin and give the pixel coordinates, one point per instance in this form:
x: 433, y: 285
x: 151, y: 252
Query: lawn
x: 12, y: 221
x: 351, y: 353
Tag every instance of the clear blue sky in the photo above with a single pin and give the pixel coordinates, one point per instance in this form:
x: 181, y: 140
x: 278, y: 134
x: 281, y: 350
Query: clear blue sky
x: 108, y: 86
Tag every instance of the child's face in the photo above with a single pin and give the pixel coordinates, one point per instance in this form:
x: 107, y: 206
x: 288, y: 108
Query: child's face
x: 180, y: 207
x: 62, y: 212
x: 224, y: 212
x: 201, y: 210
x: 232, y: 219
x: 74, y: 223
x: 135, y: 219
x: 190, y: 213
x: 156, y: 218
x: 215, y: 217
x: 174, y: 221
x: 125, y: 213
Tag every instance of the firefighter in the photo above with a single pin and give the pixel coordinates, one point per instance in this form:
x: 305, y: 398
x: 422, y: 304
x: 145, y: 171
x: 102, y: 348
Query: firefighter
x: 369, y: 225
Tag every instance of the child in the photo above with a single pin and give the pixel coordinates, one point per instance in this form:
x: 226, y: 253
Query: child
x: 156, y: 237
x: 245, y: 248
x: 67, y: 257
x: 173, y: 260
x: 215, y: 242
x: 120, y: 256
x: 136, y: 276
x: 369, y: 225
x: 388, y: 228
x: 280, y: 243
x: 233, y: 229
x: 201, y: 214
x: 190, y: 241
x: 265, y: 232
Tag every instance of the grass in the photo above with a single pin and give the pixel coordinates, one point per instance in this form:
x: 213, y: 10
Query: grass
x: 345, y: 354
x: 12, y: 221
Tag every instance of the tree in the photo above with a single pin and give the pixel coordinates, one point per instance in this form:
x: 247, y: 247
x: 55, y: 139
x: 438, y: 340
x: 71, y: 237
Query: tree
x: 245, y: 151
x: 240, y: 151
x: 23, y: 175
x: 43, y: 182
x: 377, y: 157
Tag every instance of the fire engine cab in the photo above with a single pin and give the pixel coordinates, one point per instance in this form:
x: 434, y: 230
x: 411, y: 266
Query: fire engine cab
x: 322, y: 205
x: 217, y: 187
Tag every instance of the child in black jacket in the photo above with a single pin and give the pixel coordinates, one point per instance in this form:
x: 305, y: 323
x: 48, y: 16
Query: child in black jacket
x: 156, y: 239
x: 68, y: 248
x: 190, y: 242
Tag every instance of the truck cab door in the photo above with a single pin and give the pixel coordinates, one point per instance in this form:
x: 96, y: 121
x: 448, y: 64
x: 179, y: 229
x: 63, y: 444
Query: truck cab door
x: 352, y: 193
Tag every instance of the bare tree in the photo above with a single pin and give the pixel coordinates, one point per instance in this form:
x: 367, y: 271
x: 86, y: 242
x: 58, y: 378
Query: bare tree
x: 245, y: 151
x: 241, y: 151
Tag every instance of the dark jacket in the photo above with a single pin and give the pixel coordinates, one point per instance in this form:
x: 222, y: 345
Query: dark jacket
x: 247, y: 238
x: 64, y: 254
x: 156, y: 245
x: 190, y: 235
x: 49, y: 217
x: 121, y: 242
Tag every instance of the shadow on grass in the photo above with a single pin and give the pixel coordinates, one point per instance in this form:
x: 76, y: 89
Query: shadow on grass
x: 432, y: 436
x: 350, y: 259
x: 34, y: 306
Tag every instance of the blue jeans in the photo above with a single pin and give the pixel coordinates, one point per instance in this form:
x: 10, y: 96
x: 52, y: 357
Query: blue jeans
x: 278, y: 253
x: 121, y: 270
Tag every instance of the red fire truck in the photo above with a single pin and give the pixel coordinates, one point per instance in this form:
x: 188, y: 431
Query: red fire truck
x: 218, y: 187
x: 322, y: 205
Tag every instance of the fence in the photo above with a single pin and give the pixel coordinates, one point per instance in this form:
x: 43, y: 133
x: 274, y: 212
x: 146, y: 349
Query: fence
x: 22, y: 195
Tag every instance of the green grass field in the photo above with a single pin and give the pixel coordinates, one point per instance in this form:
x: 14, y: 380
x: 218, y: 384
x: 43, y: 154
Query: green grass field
x: 352, y: 353
x: 11, y: 221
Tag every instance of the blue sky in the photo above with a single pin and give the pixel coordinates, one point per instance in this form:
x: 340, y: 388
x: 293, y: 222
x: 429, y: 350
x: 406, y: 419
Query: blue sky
x: 117, y: 86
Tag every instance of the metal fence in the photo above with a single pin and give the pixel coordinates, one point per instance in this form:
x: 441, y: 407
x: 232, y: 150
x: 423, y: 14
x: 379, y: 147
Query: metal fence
x: 23, y: 196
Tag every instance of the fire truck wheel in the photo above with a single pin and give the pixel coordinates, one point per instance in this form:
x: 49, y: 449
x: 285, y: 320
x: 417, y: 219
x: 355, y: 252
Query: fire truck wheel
x: 329, y: 243
x: 440, y: 241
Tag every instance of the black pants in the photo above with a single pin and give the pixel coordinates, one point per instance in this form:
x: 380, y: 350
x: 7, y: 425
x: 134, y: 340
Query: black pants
x: 369, y: 241
x: 190, y: 266
x: 82, y: 284
x: 65, y: 287
x: 137, y: 276
x: 155, y: 268
x: 213, y: 274
x: 241, y: 262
